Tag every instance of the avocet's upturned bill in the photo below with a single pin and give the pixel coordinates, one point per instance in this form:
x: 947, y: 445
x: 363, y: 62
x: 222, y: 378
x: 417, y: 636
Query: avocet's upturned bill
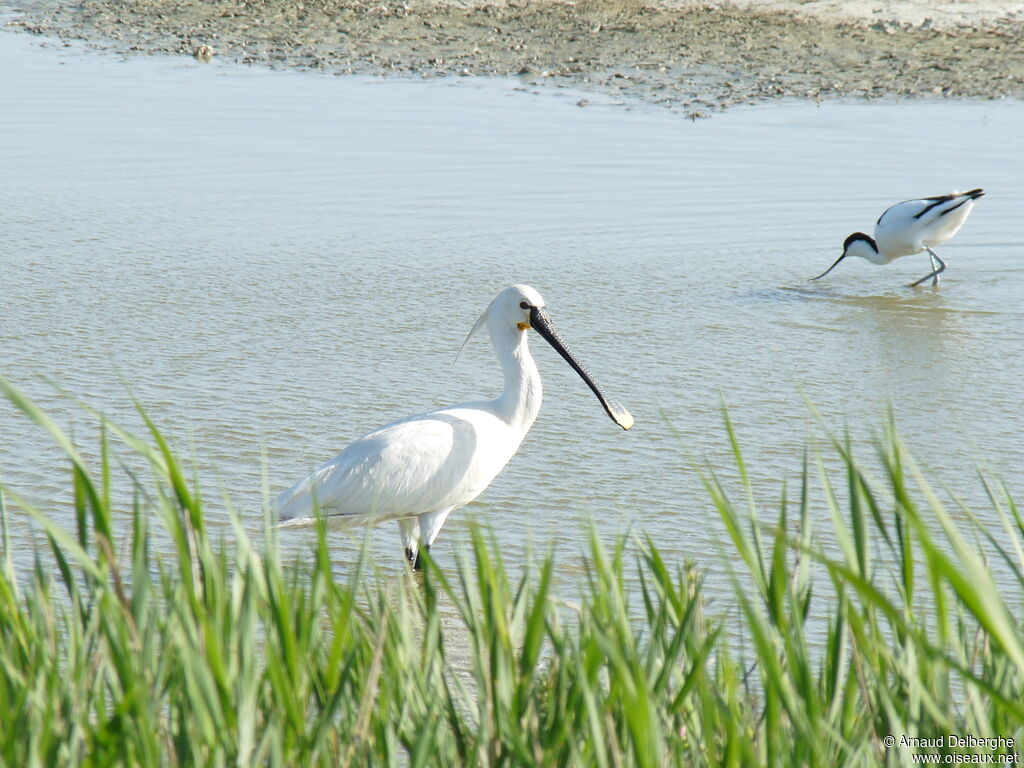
x: 418, y: 470
x: 911, y: 227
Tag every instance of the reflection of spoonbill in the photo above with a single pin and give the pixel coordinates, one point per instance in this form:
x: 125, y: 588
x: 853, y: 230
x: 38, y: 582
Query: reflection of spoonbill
x: 419, y: 469
x: 911, y: 227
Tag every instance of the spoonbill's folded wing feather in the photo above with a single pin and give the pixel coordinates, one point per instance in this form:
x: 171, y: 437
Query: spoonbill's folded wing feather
x: 407, y: 468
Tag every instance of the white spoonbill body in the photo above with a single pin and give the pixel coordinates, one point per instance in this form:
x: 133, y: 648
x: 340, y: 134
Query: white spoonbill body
x: 911, y: 227
x: 418, y: 470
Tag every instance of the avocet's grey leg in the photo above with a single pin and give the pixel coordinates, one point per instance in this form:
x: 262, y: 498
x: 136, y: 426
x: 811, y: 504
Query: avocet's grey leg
x: 936, y: 270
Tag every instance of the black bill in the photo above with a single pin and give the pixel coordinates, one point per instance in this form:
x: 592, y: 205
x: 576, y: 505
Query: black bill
x: 830, y: 268
x: 540, y: 321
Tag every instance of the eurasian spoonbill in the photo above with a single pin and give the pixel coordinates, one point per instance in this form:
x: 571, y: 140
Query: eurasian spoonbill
x: 418, y: 470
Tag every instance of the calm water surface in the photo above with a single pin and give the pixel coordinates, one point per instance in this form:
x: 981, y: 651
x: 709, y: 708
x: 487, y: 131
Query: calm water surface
x: 275, y: 263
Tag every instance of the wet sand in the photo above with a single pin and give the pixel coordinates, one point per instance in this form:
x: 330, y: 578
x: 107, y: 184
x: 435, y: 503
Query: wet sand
x: 694, y: 58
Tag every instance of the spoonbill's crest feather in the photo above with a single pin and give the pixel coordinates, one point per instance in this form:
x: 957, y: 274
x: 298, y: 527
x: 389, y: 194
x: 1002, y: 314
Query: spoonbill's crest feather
x: 480, y: 323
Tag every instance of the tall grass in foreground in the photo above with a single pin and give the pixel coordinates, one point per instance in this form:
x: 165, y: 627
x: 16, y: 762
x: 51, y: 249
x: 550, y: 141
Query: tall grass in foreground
x: 223, y: 655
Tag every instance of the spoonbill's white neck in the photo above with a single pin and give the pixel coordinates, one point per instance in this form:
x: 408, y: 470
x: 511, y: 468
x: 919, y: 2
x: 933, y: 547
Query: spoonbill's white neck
x: 519, y: 403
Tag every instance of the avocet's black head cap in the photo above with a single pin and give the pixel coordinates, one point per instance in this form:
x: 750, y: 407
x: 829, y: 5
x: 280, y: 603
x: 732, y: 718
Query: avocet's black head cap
x: 855, y: 237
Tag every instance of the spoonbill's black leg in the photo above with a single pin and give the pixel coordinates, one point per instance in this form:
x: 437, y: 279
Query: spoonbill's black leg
x: 417, y: 564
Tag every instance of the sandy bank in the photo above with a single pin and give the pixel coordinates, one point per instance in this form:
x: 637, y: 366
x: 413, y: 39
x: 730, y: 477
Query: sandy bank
x: 694, y: 57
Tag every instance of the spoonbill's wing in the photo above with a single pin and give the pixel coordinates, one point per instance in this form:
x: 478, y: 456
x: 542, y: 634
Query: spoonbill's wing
x: 411, y: 467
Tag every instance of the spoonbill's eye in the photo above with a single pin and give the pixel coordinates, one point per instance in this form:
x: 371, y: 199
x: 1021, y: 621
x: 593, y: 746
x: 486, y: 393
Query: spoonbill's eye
x: 523, y: 305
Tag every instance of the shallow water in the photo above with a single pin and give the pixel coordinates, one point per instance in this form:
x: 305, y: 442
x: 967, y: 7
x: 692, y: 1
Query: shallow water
x: 274, y: 263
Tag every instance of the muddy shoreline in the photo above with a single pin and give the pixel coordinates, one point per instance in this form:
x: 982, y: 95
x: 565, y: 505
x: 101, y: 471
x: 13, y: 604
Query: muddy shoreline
x: 694, y: 58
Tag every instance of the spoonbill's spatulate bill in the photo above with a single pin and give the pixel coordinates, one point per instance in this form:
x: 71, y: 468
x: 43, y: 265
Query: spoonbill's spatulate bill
x: 911, y: 227
x: 418, y: 470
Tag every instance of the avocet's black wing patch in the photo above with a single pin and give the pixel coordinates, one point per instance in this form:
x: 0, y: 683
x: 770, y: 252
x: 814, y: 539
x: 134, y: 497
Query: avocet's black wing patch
x: 954, y: 207
x: 934, y: 202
